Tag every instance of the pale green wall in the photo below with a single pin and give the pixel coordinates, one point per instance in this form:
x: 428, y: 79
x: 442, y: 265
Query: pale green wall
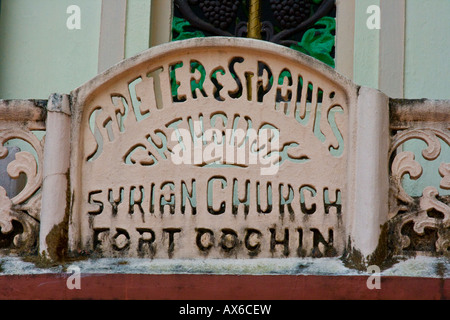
x: 39, y: 54
x: 137, y: 35
x: 366, y: 57
x: 430, y: 175
x: 427, y: 74
x: 427, y: 57
x: 427, y: 48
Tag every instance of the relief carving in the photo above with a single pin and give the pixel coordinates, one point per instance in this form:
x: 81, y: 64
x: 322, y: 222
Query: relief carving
x: 421, y: 224
x: 20, y: 213
x: 212, y: 154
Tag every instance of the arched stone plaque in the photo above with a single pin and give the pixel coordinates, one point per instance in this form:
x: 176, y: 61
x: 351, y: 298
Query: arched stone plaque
x: 214, y: 148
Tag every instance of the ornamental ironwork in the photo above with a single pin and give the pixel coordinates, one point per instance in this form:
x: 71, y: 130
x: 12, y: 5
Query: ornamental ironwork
x: 304, y: 25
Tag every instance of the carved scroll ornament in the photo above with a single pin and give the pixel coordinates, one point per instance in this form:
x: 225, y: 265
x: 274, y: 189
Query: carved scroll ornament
x: 421, y: 224
x: 20, y: 214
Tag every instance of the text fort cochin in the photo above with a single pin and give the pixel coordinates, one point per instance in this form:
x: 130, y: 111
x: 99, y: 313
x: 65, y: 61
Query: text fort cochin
x: 181, y: 200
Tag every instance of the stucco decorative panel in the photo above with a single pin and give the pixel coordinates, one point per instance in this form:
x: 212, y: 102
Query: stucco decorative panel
x: 213, y: 148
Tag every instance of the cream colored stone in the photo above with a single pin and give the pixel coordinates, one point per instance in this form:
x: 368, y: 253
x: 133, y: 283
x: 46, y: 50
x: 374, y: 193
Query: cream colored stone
x: 131, y: 199
x: 428, y: 121
x: 369, y: 202
x: 55, y: 210
x: 18, y: 119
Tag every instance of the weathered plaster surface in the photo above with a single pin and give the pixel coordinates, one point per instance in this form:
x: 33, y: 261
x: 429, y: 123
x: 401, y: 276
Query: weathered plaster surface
x: 424, y: 267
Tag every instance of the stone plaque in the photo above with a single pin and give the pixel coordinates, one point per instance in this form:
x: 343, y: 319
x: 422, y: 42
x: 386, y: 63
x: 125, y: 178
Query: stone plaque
x: 212, y: 148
